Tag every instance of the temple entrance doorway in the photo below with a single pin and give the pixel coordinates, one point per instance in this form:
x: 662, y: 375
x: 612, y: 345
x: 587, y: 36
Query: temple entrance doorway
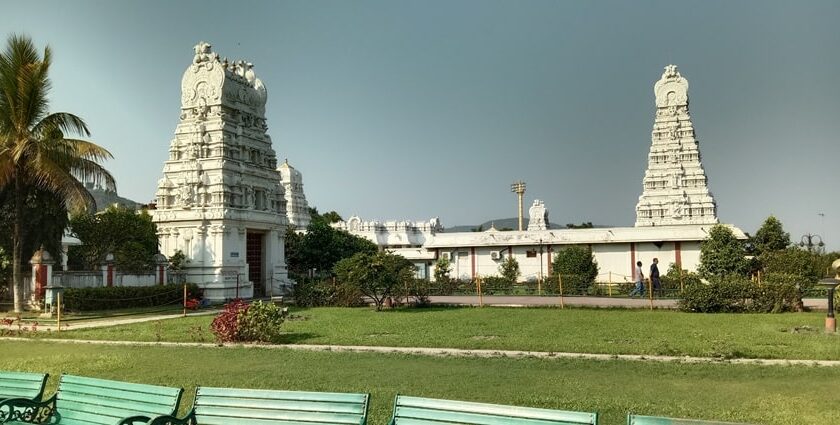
x: 256, y: 258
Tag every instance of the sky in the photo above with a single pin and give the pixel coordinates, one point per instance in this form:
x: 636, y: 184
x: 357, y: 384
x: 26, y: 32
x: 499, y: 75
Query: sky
x: 420, y: 109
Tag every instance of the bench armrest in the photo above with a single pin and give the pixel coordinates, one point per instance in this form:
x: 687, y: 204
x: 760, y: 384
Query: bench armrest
x: 172, y: 420
x: 27, y: 410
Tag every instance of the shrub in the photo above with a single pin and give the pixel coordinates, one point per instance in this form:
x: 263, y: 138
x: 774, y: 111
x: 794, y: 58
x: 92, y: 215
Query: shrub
x: 115, y: 297
x: 794, y: 262
x: 509, y: 269
x: 675, y: 279
x: 442, y: 269
x: 578, y: 269
x: 497, y: 284
x: 326, y: 293
x: 377, y: 275
x: 225, y: 325
x: 728, y: 294
x: 243, y: 322
x: 778, y: 293
x: 261, y: 322
x: 722, y: 254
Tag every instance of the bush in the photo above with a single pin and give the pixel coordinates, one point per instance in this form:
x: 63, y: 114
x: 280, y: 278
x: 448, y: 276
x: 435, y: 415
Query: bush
x: 722, y: 295
x: 675, y: 279
x: 255, y: 322
x: 326, y: 293
x: 577, y: 267
x: 497, y: 284
x: 794, y: 262
x: 115, y: 297
x: 735, y: 294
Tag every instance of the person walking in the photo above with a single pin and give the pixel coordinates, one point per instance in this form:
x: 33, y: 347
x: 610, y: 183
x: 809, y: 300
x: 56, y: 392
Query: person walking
x: 654, y: 277
x: 639, y: 278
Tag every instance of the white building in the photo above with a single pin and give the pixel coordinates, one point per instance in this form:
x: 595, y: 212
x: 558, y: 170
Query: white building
x: 674, y: 215
x: 220, y: 200
x: 297, y: 209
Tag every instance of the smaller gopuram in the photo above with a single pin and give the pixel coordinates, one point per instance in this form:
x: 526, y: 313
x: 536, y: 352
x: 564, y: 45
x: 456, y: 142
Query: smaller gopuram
x: 297, y: 209
x: 675, y: 189
x: 220, y: 200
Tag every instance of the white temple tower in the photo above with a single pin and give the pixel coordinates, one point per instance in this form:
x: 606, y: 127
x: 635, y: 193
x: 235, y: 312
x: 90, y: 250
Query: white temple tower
x: 297, y: 209
x: 674, y: 186
x: 220, y: 200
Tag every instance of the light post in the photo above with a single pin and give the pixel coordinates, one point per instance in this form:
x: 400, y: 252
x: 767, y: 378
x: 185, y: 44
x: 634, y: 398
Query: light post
x: 519, y: 189
x: 541, y: 264
x: 810, y: 241
x: 831, y: 285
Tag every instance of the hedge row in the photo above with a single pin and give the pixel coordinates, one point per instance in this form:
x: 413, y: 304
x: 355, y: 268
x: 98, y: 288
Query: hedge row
x: 107, y: 298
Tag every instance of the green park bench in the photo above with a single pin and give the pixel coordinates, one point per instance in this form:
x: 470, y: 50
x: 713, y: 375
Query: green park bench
x: 217, y: 406
x: 89, y: 401
x: 417, y: 410
x: 656, y: 420
x: 19, y: 385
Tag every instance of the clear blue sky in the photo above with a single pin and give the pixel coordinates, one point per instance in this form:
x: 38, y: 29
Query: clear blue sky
x: 414, y: 109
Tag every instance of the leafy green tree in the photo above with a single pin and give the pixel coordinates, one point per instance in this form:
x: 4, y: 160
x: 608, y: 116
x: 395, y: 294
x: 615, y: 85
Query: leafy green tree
x: 803, y: 266
x: 509, y: 269
x: 376, y: 275
x: 35, y: 150
x: 442, y: 269
x: 44, y: 221
x: 321, y: 247
x: 721, y: 254
x: 584, y: 225
x: 771, y: 236
x: 130, y: 235
x: 577, y: 266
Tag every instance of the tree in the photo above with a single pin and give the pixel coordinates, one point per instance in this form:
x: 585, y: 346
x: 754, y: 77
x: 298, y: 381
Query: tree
x: 130, y: 235
x: 35, y: 152
x: 771, y: 236
x: 375, y: 275
x: 577, y: 266
x: 721, y: 254
x: 509, y: 269
x: 803, y: 266
x: 44, y: 222
x: 442, y: 269
x: 321, y: 247
x: 584, y: 225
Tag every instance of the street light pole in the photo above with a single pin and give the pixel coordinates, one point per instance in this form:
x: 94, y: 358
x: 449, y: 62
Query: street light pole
x: 519, y: 189
x: 810, y: 241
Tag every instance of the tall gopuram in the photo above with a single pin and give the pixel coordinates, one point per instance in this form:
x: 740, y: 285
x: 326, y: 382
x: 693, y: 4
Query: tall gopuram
x: 220, y: 200
x: 674, y: 188
x: 297, y: 209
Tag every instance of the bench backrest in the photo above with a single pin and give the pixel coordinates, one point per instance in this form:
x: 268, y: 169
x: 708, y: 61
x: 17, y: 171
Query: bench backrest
x: 266, y: 407
x: 416, y: 410
x: 22, y: 385
x: 657, y: 420
x: 101, y: 401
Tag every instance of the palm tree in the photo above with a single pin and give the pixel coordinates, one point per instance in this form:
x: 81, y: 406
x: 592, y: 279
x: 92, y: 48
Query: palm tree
x: 35, y: 151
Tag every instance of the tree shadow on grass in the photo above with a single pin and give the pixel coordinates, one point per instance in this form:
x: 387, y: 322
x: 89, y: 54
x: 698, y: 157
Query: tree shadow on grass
x: 297, y: 337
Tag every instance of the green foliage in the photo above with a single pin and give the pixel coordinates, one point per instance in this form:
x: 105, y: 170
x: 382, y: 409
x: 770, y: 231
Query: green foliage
x: 43, y: 222
x: 326, y: 293
x: 442, y: 269
x: 675, y: 279
x: 721, y: 254
x: 261, y: 322
x: 771, y: 236
x: 497, y: 284
x: 375, y: 275
x: 509, y: 269
x: 177, y: 261
x: 116, y: 297
x: 321, y: 247
x: 736, y: 294
x: 803, y: 266
x: 577, y: 267
x: 584, y: 225
x: 129, y: 235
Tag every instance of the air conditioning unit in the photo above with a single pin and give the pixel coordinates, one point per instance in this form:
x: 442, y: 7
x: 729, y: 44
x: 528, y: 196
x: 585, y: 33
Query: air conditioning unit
x: 494, y: 255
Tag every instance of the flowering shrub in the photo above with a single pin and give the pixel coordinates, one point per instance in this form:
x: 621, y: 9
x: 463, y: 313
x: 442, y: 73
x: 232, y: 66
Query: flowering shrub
x: 240, y: 322
x: 16, y: 327
x: 192, y: 303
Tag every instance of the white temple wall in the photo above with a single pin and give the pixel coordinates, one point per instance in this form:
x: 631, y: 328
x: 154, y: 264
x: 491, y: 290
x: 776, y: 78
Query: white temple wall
x: 615, y: 258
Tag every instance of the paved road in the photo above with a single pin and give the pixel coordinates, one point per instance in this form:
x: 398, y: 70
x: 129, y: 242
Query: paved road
x: 528, y: 300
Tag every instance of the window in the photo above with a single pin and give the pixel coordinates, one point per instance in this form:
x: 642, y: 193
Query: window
x: 531, y: 253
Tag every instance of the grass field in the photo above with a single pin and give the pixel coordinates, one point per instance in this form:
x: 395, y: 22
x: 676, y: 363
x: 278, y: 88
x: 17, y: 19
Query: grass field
x: 794, y: 335
x: 755, y: 394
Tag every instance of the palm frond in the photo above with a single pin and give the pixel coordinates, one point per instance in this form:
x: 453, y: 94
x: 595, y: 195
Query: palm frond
x: 67, y: 123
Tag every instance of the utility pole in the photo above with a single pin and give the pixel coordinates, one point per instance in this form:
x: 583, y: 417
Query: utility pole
x: 519, y: 189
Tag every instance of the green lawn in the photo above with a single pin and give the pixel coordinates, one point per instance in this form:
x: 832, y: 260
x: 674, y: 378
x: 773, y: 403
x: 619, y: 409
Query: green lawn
x: 793, y: 335
x: 756, y: 394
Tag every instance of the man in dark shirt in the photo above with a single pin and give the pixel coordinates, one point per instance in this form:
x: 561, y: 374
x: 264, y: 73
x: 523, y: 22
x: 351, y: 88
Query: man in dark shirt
x: 654, y: 276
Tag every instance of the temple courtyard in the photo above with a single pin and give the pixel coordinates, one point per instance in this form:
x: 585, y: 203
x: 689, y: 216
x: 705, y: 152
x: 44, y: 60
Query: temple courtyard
x: 657, y: 362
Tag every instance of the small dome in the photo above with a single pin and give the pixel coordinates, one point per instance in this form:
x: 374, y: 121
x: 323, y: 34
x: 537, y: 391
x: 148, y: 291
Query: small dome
x: 41, y: 256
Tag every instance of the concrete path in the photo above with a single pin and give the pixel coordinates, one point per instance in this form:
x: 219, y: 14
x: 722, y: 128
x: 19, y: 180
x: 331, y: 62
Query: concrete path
x: 448, y: 352
x: 532, y: 300
x: 112, y: 321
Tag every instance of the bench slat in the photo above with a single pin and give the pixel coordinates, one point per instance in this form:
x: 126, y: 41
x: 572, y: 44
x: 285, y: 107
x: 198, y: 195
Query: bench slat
x: 408, y: 410
x: 82, y: 400
x: 659, y: 420
x: 215, y: 405
x: 21, y: 384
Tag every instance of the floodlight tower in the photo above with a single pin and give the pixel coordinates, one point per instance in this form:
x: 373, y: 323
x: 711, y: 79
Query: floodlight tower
x: 519, y: 189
